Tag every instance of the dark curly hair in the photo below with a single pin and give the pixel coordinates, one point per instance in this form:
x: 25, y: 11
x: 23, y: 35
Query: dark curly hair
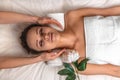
x: 24, y: 42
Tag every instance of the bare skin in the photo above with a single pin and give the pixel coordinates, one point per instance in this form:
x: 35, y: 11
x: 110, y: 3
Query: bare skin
x: 12, y: 62
x: 13, y: 18
x: 75, y: 24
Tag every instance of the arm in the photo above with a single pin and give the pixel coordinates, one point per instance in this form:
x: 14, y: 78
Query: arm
x: 104, y: 69
x: 12, y: 17
x: 112, y: 11
x: 11, y: 62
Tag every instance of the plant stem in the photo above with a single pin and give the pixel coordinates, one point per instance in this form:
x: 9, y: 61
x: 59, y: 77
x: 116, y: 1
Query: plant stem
x: 77, y: 75
x: 76, y: 72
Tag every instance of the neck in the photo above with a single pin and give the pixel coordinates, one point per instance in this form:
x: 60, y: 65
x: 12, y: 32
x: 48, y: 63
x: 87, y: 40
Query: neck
x: 67, y: 40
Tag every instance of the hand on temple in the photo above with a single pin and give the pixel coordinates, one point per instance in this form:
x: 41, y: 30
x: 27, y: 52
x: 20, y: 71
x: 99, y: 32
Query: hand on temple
x: 11, y: 62
x: 50, y: 56
x: 48, y: 20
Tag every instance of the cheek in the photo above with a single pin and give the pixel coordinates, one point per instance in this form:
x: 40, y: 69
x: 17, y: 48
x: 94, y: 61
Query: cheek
x: 50, y: 45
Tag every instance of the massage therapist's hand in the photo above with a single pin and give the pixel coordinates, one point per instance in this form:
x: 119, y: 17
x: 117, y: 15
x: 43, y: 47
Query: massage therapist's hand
x: 50, y: 56
x: 48, y: 20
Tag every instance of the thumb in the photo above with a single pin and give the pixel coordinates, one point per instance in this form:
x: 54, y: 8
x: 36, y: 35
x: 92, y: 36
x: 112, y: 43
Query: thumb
x: 53, y: 21
x: 61, y: 51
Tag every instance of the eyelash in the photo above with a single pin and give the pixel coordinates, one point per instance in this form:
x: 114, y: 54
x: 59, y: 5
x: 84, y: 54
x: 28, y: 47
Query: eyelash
x: 41, y: 32
x: 41, y: 43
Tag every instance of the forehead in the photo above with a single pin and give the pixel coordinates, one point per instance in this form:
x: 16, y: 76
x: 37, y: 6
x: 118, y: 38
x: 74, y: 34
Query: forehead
x: 31, y: 37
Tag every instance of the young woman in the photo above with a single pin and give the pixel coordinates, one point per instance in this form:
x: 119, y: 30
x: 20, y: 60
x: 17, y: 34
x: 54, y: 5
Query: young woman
x: 41, y: 37
x: 11, y: 17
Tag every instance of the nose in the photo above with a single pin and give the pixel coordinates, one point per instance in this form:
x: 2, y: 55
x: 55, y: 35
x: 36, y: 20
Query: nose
x: 46, y: 36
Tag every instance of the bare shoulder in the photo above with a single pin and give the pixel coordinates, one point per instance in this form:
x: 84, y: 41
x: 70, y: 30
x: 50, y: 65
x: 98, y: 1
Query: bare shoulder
x: 71, y: 14
x: 77, y: 26
x: 71, y: 20
x: 78, y: 29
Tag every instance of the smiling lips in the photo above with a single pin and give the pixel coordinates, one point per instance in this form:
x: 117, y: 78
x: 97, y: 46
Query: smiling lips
x: 51, y: 36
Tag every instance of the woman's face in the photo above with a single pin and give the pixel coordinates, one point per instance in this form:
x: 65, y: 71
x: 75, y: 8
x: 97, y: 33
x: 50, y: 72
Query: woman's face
x: 42, y: 38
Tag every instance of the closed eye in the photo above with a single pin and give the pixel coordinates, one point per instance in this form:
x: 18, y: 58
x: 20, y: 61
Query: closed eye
x: 41, y: 31
x: 41, y: 43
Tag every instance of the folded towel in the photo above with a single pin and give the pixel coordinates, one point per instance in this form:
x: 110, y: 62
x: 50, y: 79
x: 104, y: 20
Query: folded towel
x: 59, y: 17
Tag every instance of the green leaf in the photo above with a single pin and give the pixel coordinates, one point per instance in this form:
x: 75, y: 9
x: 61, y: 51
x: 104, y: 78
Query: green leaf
x: 69, y: 67
x: 65, y: 72
x: 82, y: 65
x: 75, y: 63
x: 71, y: 77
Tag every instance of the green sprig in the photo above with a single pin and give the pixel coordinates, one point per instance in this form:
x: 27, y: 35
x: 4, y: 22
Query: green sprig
x: 70, y: 72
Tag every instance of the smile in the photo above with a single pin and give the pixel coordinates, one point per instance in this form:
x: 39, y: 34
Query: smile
x: 52, y: 37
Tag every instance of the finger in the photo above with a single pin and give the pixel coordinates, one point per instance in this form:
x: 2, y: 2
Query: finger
x: 44, y: 20
x: 51, y: 54
x: 57, y: 23
x: 49, y: 20
x: 54, y: 55
x: 61, y: 52
x: 53, y: 21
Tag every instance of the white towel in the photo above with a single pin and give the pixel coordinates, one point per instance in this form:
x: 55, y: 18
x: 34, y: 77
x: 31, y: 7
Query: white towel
x: 59, y: 17
x: 103, y: 39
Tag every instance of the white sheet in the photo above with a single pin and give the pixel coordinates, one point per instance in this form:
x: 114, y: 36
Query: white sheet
x: 39, y: 71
